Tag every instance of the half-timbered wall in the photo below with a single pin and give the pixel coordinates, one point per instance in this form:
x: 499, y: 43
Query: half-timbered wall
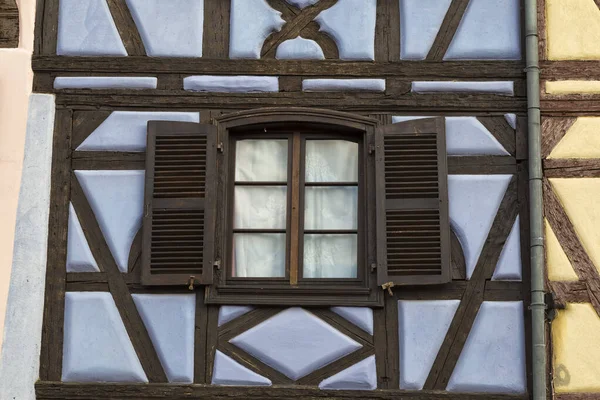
x: 113, y: 65
x: 570, y: 140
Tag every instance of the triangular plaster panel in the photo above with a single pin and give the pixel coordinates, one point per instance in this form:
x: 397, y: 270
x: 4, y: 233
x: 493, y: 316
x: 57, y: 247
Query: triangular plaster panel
x: 359, y: 316
x: 557, y: 263
x: 227, y: 372
x: 229, y: 313
x: 474, y: 202
x: 420, y: 21
x: 509, y: 264
x: 79, y: 255
x: 581, y: 140
x: 360, y: 376
x: 422, y: 326
x: 579, y: 197
x: 117, y: 199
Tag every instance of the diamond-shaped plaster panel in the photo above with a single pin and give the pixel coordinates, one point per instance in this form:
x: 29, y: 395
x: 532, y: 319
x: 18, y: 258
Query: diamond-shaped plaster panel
x: 295, y: 342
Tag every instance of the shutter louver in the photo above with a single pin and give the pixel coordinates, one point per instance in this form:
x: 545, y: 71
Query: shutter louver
x: 179, y: 204
x: 413, y: 232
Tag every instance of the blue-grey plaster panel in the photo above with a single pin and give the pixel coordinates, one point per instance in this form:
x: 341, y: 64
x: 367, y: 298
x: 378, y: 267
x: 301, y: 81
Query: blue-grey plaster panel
x: 231, y: 84
x: 229, y: 313
x: 351, y: 23
x: 227, y: 372
x: 509, y: 265
x: 495, y: 87
x: 117, y: 199
x: 512, y: 120
x: 127, y: 130
x: 295, y: 342
x: 490, y: 29
x: 105, y: 82
x: 360, y: 376
x: 493, y: 359
x: 86, y: 28
x: 169, y: 28
x: 79, y: 255
x: 340, y: 85
x: 251, y: 23
x: 422, y: 326
x: 465, y: 136
x: 359, y: 316
x: 299, y: 49
x: 420, y: 21
x: 170, y: 321
x: 473, y: 202
x: 96, y: 345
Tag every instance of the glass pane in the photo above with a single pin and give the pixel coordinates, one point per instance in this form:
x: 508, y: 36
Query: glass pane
x: 261, y: 160
x: 330, y: 256
x: 260, y: 207
x: 331, y: 161
x: 331, y: 207
x: 258, y: 255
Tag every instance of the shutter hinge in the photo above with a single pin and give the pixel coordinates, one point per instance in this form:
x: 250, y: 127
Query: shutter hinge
x: 389, y: 287
x: 191, y: 282
x: 373, y: 267
x: 220, y: 147
x: 217, y: 264
x: 371, y: 149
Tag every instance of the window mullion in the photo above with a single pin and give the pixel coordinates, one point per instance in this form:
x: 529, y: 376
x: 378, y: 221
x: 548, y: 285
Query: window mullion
x: 295, y: 210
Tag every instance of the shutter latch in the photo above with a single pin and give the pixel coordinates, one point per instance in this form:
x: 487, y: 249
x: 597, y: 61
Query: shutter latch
x: 389, y: 287
x: 191, y: 282
x: 220, y: 147
x: 371, y: 148
x: 217, y: 264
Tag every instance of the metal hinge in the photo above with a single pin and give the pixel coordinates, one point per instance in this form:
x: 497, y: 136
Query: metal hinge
x: 371, y: 149
x: 191, y: 282
x: 373, y: 267
x: 389, y: 287
x: 217, y: 264
x: 220, y: 147
x: 552, y: 305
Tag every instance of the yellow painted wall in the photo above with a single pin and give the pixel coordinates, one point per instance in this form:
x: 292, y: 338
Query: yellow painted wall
x: 15, y: 87
x: 582, y: 140
x: 572, y: 29
x: 572, y: 87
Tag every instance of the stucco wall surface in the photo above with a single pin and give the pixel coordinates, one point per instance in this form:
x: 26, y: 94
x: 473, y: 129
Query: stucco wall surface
x: 15, y: 87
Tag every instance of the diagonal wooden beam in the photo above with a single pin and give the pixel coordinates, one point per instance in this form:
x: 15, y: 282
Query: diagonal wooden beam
x: 465, y: 315
x: 572, y: 246
x: 553, y: 130
x: 127, y: 29
x: 84, y: 123
x: 500, y: 128
x: 447, y: 30
x: 293, y: 27
x: 118, y: 287
x: 317, y: 376
x: 326, y: 42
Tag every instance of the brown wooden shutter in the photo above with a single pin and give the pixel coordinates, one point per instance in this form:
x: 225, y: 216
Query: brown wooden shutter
x: 179, y: 204
x: 413, y: 233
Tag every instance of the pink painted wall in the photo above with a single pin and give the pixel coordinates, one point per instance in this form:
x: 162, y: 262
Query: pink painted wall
x: 15, y: 87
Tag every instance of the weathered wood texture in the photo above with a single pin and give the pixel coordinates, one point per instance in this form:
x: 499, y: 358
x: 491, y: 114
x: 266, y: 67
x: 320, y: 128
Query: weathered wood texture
x: 200, y: 66
x: 572, y: 168
x: 447, y: 30
x: 553, y: 130
x: 215, y: 38
x: 571, y: 69
x: 9, y: 24
x: 75, y: 391
x: 387, y: 31
x: 49, y: 27
x: 126, y: 26
x: 52, y: 331
x: 569, y: 241
x: 502, y: 131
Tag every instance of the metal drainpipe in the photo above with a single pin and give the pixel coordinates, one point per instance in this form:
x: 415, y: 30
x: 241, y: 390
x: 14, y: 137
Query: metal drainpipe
x: 536, y: 239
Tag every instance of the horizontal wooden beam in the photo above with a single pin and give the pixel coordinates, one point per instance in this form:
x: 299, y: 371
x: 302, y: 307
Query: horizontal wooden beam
x: 198, y: 66
x: 572, y: 168
x: 457, y: 103
x: 112, y: 391
x: 563, y: 70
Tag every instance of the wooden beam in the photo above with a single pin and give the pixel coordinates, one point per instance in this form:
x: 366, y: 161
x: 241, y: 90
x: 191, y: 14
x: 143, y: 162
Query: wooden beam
x: 502, y: 131
x: 587, y: 70
x: 140, y: 339
x: 447, y: 30
x: 572, y: 168
x: 476, y: 165
x: 572, y: 246
x: 9, y: 24
x: 125, y: 24
x: 86, y: 122
x: 387, y: 31
x: 54, y: 304
x: 466, y: 313
x: 49, y: 30
x: 215, y: 39
x: 462, y: 103
x: 90, y: 391
x: 553, y: 130
x: 363, y: 69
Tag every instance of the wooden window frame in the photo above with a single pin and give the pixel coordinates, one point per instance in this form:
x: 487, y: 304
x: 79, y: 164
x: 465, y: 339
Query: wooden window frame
x: 363, y: 290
